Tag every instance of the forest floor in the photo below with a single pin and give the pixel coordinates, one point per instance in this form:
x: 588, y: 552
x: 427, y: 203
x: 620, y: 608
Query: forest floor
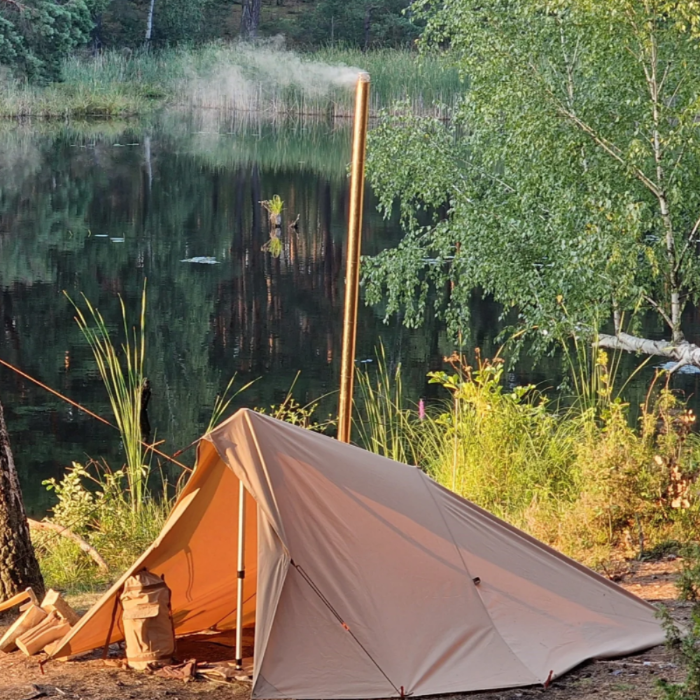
x: 630, y: 678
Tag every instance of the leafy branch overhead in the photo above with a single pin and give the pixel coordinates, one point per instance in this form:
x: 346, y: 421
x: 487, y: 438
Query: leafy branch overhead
x: 568, y: 183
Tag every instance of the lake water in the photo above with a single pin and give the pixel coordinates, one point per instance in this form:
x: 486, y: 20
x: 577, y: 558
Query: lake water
x: 96, y: 209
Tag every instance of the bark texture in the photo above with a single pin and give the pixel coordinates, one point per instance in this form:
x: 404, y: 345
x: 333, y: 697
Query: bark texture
x: 250, y: 19
x: 18, y: 564
x: 684, y: 353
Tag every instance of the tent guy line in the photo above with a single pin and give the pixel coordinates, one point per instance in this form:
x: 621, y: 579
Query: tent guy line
x: 148, y: 446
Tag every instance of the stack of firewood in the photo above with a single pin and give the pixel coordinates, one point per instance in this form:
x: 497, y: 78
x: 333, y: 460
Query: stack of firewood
x: 40, y: 627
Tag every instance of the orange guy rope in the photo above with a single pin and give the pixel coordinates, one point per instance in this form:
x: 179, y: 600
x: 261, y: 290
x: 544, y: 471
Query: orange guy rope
x: 151, y: 448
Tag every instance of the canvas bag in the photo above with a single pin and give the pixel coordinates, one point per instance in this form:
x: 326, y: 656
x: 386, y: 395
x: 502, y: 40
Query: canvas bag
x: 147, y: 621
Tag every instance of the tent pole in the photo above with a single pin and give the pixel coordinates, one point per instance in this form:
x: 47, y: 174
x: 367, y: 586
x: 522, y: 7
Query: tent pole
x: 352, y: 270
x: 241, y: 575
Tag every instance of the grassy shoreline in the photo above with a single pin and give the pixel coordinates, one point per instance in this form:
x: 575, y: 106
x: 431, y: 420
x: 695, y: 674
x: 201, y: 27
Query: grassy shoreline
x: 232, y: 78
x: 586, y: 480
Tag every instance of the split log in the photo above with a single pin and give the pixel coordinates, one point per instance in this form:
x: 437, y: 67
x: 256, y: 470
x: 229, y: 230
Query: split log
x: 51, y: 629
x: 30, y: 618
x: 20, y: 598
x: 65, y: 532
x: 53, y: 603
x: 50, y: 648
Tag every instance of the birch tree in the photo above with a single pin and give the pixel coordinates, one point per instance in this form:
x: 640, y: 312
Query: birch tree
x: 568, y: 184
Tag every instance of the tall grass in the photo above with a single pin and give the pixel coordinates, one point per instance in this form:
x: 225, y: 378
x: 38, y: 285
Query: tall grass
x: 93, y: 503
x: 388, y: 426
x: 123, y: 377
x: 429, y: 84
x: 582, y: 478
x: 80, y: 100
x: 234, y: 78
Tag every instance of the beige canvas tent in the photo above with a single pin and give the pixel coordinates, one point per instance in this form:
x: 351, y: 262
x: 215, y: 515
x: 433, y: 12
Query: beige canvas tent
x: 366, y: 579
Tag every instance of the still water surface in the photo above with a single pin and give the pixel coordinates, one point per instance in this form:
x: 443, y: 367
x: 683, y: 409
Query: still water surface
x: 97, y: 209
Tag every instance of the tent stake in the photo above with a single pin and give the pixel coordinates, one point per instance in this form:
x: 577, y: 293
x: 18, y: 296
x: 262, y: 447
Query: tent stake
x: 352, y: 265
x: 241, y: 576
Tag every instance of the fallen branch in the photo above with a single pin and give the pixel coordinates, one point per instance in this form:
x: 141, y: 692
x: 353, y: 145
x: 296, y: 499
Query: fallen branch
x: 65, y: 532
x: 683, y: 353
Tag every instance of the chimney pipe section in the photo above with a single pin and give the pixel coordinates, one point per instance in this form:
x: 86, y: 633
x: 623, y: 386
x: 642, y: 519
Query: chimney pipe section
x: 352, y: 268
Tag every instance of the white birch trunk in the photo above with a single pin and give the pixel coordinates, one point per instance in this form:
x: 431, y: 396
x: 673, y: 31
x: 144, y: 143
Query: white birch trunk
x: 149, y: 22
x: 684, y: 353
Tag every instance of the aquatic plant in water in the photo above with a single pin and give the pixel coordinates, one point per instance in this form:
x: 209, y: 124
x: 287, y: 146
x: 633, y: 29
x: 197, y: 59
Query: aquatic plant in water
x: 273, y: 246
x: 274, y: 208
x: 123, y: 377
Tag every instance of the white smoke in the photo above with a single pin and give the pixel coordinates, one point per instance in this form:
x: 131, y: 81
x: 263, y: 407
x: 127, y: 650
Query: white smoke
x: 258, y: 77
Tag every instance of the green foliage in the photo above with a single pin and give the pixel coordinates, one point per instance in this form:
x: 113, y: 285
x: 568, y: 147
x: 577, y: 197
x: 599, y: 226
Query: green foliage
x: 386, y: 426
x: 76, y: 507
x: 525, y: 455
x: 123, y: 22
x: 273, y: 206
x: 223, y: 401
x: 689, y: 580
x: 686, y: 645
x: 93, y: 501
x: 264, y: 83
x: 36, y: 35
x: 123, y: 379
x: 345, y: 23
x: 291, y: 411
x: 566, y: 186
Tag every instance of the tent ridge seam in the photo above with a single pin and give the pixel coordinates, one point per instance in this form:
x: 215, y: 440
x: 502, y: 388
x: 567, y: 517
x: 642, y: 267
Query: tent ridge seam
x: 344, y: 625
x: 283, y: 539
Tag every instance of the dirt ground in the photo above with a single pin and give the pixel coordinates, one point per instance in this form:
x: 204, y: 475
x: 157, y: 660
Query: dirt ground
x: 631, y: 678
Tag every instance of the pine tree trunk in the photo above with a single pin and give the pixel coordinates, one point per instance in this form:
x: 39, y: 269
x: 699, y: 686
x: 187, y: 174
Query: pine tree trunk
x: 368, y: 27
x: 18, y: 564
x: 250, y: 19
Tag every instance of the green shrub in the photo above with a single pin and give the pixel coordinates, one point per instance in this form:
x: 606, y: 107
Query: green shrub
x: 93, y: 501
x: 685, y: 644
x: 584, y: 479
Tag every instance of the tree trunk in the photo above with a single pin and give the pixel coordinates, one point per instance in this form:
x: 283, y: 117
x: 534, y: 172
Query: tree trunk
x: 368, y: 27
x: 683, y: 353
x: 149, y: 23
x: 250, y: 19
x: 18, y: 564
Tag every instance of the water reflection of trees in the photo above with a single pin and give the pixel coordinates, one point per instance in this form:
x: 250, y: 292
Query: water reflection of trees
x: 97, y: 214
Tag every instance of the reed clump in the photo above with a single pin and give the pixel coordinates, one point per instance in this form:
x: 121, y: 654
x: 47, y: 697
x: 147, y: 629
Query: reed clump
x: 21, y: 100
x: 264, y: 80
x: 124, y: 379
x: 583, y: 478
x: 119, y: 512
